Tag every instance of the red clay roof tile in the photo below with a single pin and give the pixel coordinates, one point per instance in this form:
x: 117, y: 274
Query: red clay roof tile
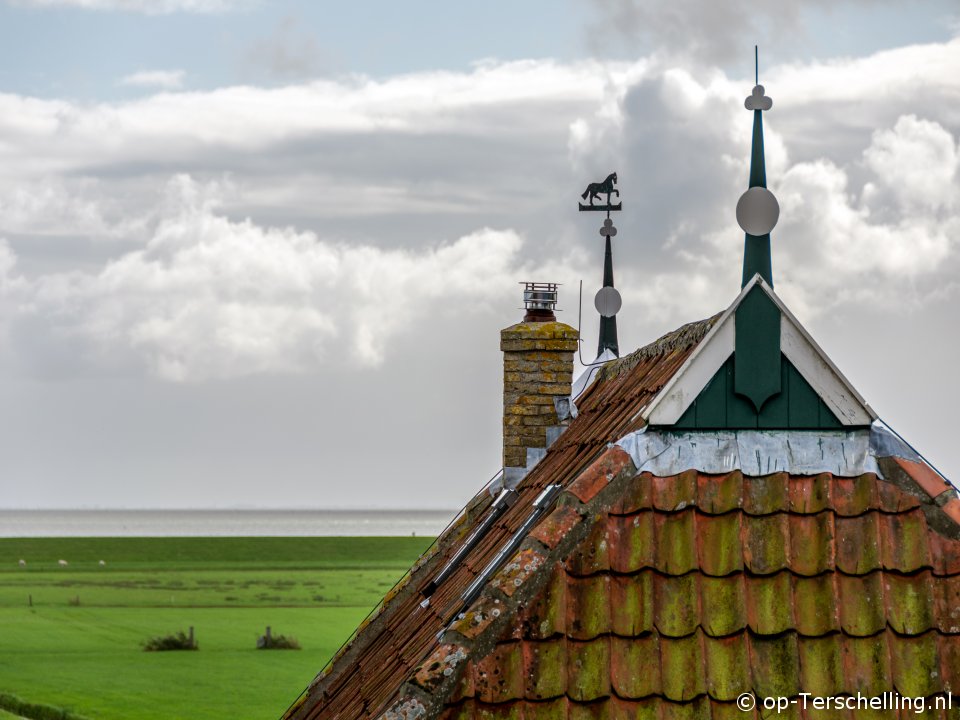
x: 854, y: 496
x: 903, y: 541
x: 812, y: 543
x: 676, y: 492
x: 857, y: 543
x: 718, y: 494
x: 766, y: 542
x: 821, y: 665
x: 556, y: 526
x: 811, y: 493
x: 766, y: 494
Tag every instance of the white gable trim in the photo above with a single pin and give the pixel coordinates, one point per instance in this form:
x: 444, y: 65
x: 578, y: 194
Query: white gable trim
x: 795, y: 342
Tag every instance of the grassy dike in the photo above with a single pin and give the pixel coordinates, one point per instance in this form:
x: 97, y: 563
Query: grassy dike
x: 78, y: 646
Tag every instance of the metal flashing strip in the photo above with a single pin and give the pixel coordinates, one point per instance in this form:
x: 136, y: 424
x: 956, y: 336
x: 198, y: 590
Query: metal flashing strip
x: 762, y: 452
x: 507, y: 498
x: 540, y: 506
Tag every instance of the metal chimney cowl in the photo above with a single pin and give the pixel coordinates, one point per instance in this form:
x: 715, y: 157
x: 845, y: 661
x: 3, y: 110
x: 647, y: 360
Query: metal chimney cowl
x: 537, y: 368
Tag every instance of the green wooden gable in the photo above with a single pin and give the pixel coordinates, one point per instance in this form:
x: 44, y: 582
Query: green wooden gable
x: 796, y: 407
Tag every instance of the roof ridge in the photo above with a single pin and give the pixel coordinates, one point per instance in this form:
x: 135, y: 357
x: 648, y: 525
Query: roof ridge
x: 682, y: 337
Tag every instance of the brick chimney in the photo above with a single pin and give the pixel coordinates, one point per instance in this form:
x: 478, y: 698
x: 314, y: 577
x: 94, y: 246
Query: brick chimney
x: 537, y: 368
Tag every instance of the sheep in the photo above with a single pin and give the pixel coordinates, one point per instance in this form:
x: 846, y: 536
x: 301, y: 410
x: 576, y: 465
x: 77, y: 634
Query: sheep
x: 62, y: 563
x: 23, y: 563
x: 102, y: 563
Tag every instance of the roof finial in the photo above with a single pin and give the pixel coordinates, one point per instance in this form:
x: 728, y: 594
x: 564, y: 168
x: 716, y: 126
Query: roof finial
x: 608, y: 300
x: 757, y: 209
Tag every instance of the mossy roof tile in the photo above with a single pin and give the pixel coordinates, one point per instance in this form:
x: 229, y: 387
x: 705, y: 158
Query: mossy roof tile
x: 635, y: 666
x: 696, y: 709
x: 545, y: 669
x: 592, y: 555
x: 946, y: 600
x: 821, y: 665
x: 681, y: 667
x: 766, y: 541
x: 909, y: 602
x: 915, y: 664
x: 631, y: 603
x: 718, y: 543
x: 775, y: 663
x: 588, y: 669
x: 866, y: 664
x: 861, y: 604
x: 903, y: 539
x: 723, y: 605
x: 815, y: 604
x: 766, y: 494
x: 727, y: 663
x: 894, y: 500
x: 637, y: 495
x: 547, y: 614
x: 588, y: 606
x: 811, y: 543
x: 857, y: 543
x: 551, y: 710
x: 950, y: 663
x: 676, y: 604
x: 676, y: 549
x: 770, y: 603
x: 632, y: 541
x: 945, y: 555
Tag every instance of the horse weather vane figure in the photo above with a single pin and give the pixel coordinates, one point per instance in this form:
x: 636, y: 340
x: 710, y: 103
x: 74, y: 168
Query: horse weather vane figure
x: 607, y: 300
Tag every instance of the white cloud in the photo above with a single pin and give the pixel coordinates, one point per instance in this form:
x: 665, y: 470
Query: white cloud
x: 148, y: 7
x: 163, y: 79
x: 208, y: 297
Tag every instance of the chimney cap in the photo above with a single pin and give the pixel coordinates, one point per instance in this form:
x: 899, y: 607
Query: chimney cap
x: 540, y: 301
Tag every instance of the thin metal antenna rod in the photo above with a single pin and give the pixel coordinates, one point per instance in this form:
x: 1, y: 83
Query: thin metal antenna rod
x: 580, y: 335
x: 756, y: 65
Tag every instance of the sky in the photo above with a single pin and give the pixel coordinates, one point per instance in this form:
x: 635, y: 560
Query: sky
x: 257, y: 254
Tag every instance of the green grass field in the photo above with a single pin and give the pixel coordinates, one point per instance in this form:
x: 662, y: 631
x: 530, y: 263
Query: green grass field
x: 79, y: 644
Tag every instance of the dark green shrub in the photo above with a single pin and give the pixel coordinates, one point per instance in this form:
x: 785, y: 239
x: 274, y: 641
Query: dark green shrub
x: 177, y: 641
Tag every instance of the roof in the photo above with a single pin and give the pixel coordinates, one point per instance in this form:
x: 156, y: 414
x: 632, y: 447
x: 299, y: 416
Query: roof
x: 671, y: 574
x: 364, y: 676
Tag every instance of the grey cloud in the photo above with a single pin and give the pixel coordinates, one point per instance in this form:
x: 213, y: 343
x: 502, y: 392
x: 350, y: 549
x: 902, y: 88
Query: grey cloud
x: 700, y: 30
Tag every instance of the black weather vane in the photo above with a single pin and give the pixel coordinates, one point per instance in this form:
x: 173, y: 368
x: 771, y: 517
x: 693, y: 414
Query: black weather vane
x: 595, y: 190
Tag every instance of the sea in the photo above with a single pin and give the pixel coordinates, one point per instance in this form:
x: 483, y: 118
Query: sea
x: 222, y: 523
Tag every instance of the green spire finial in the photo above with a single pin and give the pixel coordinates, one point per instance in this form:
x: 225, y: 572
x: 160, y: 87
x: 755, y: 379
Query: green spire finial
x: 757, y: 210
